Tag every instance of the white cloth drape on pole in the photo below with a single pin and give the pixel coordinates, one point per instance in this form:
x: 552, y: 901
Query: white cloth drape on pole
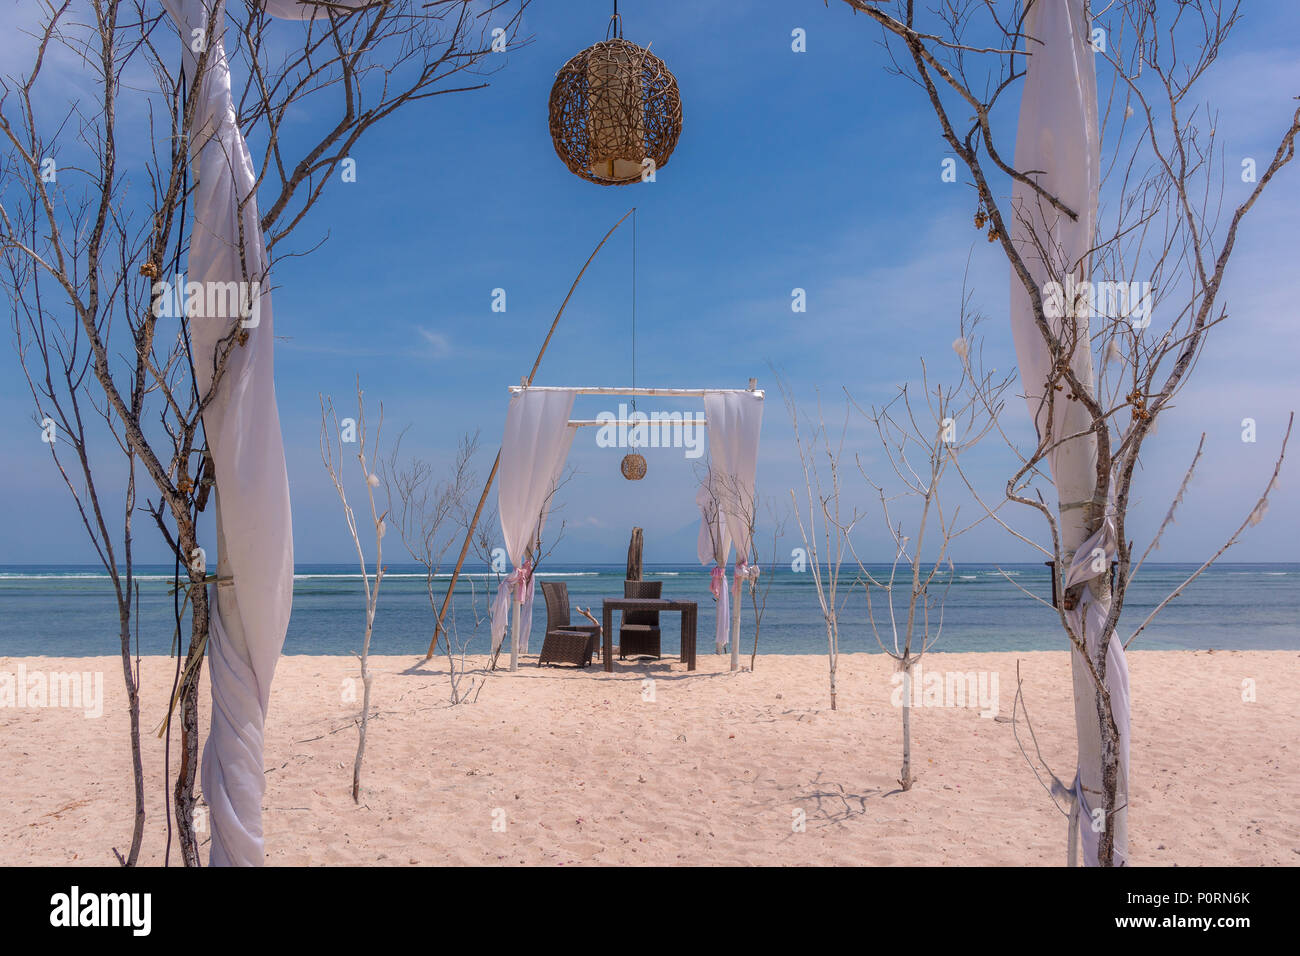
x: 249, y: 615
x: 735, y: 420
x: 714, y: 546
x: 533, y: 451
x: 1058, y: 136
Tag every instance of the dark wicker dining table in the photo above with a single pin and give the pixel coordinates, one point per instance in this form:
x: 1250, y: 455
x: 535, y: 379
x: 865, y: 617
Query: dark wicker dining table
x: 688, y: 609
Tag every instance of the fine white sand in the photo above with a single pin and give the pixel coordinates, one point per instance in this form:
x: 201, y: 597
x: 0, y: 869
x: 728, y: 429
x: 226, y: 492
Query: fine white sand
x: 579, y: 766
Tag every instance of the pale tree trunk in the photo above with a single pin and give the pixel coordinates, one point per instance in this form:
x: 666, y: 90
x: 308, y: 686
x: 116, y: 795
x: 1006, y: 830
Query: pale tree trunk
x: 372, y: 604
x: 137, y: 763
x: 366, y: 680
x: 833, y: 655
x: 905, y: 775
x: 379, y: 523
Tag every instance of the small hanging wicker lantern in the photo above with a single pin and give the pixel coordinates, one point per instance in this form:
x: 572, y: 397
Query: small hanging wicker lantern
x: 633, y: 467
x: 612, y: 107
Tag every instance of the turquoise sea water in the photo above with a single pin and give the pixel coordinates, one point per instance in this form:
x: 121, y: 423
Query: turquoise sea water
x: 69, y: 611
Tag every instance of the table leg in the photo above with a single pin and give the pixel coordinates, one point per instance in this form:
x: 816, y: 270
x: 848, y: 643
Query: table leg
x: 690, y: 659
x: 607, y: 632
x: 682, y: 657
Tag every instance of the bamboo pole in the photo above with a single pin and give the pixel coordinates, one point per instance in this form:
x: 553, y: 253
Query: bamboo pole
x: 630, y: 391
x: 672, y: 423
x: 735, y: 622
x: 514, y: 631
x: 469, y: 532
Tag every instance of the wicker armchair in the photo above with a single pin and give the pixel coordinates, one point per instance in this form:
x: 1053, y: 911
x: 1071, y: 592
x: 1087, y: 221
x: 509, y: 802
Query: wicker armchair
x: 565, y: 643
x: 638, y: 634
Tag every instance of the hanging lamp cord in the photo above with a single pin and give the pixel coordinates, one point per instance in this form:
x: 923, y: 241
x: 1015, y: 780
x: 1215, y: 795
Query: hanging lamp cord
x: 633, y: 305
x: 615, y: 28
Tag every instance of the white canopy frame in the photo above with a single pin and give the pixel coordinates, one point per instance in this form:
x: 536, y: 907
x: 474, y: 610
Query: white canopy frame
x: 517, y: 601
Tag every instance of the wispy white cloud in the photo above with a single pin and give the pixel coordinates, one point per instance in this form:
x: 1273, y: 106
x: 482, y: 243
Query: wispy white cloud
x: 439, y: 344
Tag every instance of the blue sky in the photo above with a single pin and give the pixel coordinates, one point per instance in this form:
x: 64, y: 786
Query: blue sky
x: 815, y: 170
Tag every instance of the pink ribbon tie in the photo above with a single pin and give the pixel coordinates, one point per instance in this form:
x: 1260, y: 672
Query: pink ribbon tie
x: 518, y: 579
x: 717, y: 581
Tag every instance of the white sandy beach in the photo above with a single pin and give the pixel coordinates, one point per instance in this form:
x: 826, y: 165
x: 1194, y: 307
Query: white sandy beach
x: 714, y: 770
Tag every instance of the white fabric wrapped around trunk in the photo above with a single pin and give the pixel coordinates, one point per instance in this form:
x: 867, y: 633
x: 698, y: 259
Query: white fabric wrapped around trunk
x: 249, y: 615
x: 1088, y: 618
x: 1058, y: 138
x: 533, y: 451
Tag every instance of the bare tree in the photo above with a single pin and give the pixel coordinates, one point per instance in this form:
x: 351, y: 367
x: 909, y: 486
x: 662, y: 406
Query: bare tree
x: 96, y: 198
x: 430, y: 516
x: 921, y: 440
x: 823, y: 524
x: 333, y: 461
x: 62, y: 362
x: 759, y: 590
x: 487, y: 545
x: 1161, y: 226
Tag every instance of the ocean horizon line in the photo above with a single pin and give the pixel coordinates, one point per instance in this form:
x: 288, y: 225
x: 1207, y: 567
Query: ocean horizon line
x: 576, y: 567
x: 68, y: 610
x: 309, y: 571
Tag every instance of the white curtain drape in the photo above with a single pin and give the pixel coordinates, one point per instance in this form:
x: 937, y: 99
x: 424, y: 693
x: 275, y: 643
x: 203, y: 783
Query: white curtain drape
x: 533, y: 451
x: 1058, y: 137
x: 735, y: 420
x: 250, y: 610
x: 714, y: 546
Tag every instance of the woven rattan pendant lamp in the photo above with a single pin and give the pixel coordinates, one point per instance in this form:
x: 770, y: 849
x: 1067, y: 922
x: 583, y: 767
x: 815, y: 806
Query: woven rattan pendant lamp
x: 615, y: 112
